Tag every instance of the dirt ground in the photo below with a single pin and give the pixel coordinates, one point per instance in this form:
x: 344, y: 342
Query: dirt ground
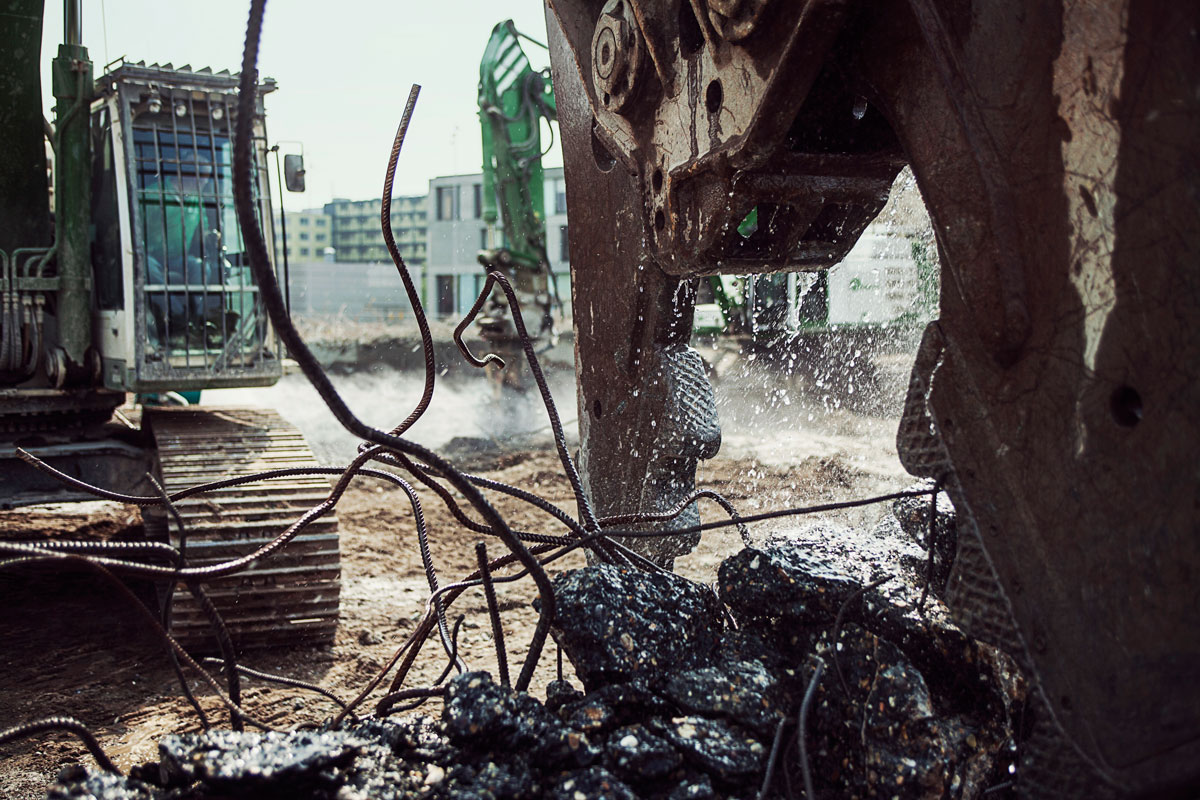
x: 71, y: 647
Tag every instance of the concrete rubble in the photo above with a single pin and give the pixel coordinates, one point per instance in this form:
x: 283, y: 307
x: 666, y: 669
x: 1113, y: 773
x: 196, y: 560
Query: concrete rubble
x: 685, y: 691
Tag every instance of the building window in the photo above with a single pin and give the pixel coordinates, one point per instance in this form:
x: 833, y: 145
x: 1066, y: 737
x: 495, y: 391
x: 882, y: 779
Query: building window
x: 483, y: 239
x: 446, y: 202
x: 477, y: 191
x: 560, y: 197
x: 304, y: 220
x: 304, y: 251
x: 445, y: 294
x: 304, y: 236
x: 564, y: 249
x: 320, y: 222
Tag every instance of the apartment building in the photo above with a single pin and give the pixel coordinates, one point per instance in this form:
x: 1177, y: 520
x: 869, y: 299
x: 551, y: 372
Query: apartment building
x: 309, y: 235
x: 457, y: 233
x: 357, y: 236
x: 338, y: 264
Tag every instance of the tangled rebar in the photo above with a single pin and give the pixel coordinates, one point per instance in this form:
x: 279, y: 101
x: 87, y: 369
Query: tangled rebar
x: 384, y: 455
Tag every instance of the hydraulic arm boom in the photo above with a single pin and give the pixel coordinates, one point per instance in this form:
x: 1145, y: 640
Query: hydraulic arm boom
x: 513, y: 100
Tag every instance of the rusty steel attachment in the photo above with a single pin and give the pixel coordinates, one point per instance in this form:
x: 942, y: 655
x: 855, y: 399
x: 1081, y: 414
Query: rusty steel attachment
x: 703, y: 108
x: 1054, y: 146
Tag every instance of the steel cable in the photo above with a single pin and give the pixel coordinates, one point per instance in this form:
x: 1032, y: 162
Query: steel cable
x: 149, y: 571
x: 430, y: 571
x: 423, y: 693
x: 83, y: 547
x: 383, y: 456
x: 168, y: 602
x: 665, y: 516
x: 772, y: 758
x: 490, y: 358
x: 489, y: 593
x: 802, y: 725
x: 586, y: 515
x: 282, y: 680
x: 228, y: 655
x: 603, y: 548
x: 421, y: 473
x: 411, y: 647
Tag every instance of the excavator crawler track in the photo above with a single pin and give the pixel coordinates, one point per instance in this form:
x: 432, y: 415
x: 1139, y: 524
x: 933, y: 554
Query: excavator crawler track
x: 288, y: 598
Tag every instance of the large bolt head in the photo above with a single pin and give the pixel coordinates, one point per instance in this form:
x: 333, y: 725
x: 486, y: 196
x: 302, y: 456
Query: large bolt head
x: 616, y: 56
x: 605, y: 54
x: 610, y: 50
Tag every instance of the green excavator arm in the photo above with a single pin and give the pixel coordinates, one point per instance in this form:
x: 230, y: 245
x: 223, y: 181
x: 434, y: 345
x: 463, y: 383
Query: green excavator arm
x: 514, y: 98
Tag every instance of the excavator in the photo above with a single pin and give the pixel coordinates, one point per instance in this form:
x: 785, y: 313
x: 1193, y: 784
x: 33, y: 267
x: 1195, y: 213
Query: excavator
x: 1054, y: 397
x: 514, y: 99
x: 129, y: 280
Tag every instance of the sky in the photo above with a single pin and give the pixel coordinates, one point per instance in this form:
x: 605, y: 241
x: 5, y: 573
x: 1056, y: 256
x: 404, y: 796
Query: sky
x: 344, y: 71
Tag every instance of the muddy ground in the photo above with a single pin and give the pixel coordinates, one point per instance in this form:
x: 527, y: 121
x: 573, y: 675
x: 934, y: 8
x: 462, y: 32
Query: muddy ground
x: 71, y: 647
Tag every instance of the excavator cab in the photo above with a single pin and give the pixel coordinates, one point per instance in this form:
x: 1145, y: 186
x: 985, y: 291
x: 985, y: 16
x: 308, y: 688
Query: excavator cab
x: 178, y: 308
x: 135, y: 279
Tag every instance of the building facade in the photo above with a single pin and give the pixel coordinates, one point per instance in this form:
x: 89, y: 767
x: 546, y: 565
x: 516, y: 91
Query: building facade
x: 362, y: 292
x: 338, y: 264
x: 309, y: 235
x: 457, y: 233
x: 357, y: 236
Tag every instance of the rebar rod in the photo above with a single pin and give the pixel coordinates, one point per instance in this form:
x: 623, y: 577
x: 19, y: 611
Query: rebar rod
x: 802, y: 730
x: 69, y: 724
x: 489, y: 592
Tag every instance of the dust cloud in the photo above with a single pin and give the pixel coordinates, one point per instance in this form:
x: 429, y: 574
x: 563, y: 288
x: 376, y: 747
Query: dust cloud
x: 810, y: 423
x: 818, y: 400
x: 463, y: 406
